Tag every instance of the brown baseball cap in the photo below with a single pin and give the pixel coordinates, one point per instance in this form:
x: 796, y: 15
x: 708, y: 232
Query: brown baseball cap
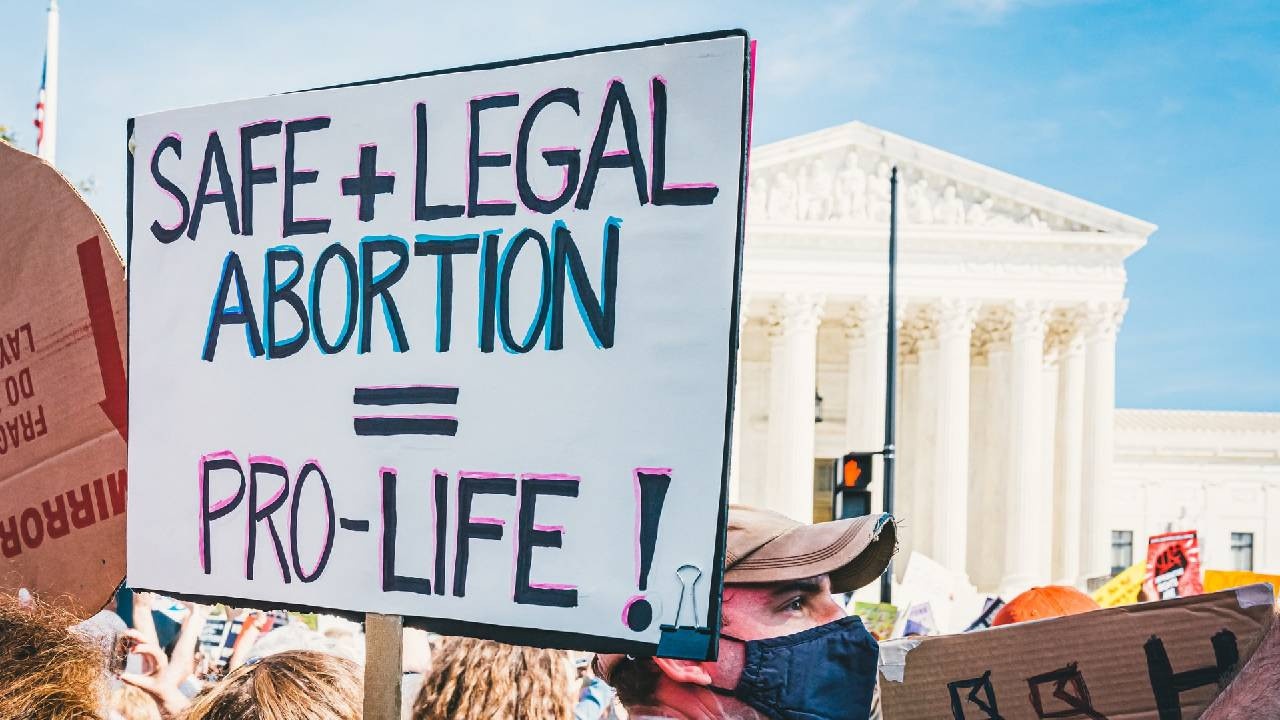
x: 763, y: 546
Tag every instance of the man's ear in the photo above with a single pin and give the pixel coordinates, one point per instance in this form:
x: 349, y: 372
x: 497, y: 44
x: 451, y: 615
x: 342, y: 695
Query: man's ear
x: 689, y: 672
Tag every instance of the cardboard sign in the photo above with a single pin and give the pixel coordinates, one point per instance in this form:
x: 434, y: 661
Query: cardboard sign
x: 455, y: 346
x: 1152, y: 661
x: 1215, y: 580
x: 62, y: 391
x: 1173, y: 564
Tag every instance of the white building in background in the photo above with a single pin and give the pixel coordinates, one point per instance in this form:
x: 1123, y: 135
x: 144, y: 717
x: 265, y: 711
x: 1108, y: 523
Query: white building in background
x: 1013, y: 463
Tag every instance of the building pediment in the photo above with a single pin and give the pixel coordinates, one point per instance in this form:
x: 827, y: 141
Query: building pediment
x: 840, y: 177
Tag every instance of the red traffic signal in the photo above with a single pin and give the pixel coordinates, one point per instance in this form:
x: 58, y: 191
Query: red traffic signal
x: 855, y: 471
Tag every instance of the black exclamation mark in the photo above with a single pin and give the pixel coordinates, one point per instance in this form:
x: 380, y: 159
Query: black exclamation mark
x: 651, y: 492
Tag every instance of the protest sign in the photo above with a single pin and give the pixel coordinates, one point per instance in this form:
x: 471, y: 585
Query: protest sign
x: 879, y: 618
x: 1152, y: 661
x: 1215, y: 580
x: 1173, y: 564
x: 1123, y: 587
x: 953, y: 601
x: 62, y: 391
x: 456, y: 346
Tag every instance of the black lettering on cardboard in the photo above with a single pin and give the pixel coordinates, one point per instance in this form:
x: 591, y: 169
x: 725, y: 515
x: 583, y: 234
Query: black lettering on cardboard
x: 530, y: 536
x: 441, y: 511
x: 476, y: 159
x: 468, y: 488
x: 444, y: 248
x: 348, y: 262
x: 251, y: 175
x: 488, y: 290
x: 277, y: 293
x: 568, y: 158
x: 215, y: 159
x: 981, y: 697
x: 162, y: 233
x: 616, y: 103
x: 241, y: 314
x: 257, y: 514
x: 507, y: 265
x: 367, y: 184
x: 374, y: 287
x: 421, y: 210
x: 391, y: 582
x: 682, y: 194
x: 307, y: 470
x: 569, y: 272
x: 1066, y: 686
x: 294, y: 177
x: 207, y: 513
x: 1168, y: 686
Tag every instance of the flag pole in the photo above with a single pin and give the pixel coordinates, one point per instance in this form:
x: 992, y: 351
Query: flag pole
x: 48, y: 123
x: 891, y: 366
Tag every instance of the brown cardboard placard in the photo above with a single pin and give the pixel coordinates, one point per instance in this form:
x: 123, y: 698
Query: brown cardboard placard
x: 1157, y: 660
x: 63, y: 412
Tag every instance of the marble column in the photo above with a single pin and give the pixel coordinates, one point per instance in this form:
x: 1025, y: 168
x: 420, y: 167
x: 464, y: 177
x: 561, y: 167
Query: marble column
x: 950, y: 477
x: 867, y: 331
x: 767, y: 493
x: 987, y: 530
x: 1069, y: 441
x: 1102, y: 321
x: 735, y: 447
x: 911, y: 530
x: 791, y: 429
x: 1045, y: 533
x: 868, y: 359
x: 1023, y: 514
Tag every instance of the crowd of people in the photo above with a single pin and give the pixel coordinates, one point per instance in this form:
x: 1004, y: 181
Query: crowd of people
x: 789, y: 650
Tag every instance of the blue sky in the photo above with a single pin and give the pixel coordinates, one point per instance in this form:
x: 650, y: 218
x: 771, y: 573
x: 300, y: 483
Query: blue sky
x: 1169, y: 111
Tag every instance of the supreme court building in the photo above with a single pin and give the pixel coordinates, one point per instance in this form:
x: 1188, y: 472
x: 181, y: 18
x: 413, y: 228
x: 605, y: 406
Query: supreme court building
x: 1014, y: 464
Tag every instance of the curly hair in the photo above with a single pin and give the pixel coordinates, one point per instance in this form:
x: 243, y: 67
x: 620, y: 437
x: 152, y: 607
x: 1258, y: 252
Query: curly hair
x: 295, y: 685
x: 486, y: 680
x: 46, y: 671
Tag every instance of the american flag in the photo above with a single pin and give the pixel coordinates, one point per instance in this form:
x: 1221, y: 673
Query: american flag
x: 39, y: 123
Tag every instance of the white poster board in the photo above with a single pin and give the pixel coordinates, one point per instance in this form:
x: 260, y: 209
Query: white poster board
x: 456, y: 346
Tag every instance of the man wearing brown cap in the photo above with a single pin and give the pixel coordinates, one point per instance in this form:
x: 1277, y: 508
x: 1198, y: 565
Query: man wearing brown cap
x: 788, y: 650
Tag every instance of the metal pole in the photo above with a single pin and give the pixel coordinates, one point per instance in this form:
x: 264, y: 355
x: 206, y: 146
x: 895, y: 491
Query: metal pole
x: 886, y: 580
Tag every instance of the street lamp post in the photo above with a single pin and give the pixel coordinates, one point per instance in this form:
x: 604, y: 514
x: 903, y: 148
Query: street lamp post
x: 886, y: 580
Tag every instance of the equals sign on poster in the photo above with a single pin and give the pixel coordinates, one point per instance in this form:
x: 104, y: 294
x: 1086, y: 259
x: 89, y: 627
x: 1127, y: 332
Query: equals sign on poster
x: 405, y: 399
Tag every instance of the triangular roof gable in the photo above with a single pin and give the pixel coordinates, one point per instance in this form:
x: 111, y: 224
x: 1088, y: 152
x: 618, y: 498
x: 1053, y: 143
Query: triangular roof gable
x: 813, y: 177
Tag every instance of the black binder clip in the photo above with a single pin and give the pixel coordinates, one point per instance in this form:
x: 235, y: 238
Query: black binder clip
x: 685, y: 640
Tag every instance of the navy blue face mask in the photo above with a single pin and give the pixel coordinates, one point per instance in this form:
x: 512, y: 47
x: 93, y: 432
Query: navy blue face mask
x: 823, y: 673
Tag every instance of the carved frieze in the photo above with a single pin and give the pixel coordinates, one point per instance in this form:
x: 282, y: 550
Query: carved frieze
x: 851, y: 186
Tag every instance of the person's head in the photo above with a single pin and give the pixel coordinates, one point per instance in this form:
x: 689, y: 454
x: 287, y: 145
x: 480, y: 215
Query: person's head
x: 779, y: 579
x: 47, y: 672
x: 486, y: 680
x: 131, y: 703
x: 294, y: 685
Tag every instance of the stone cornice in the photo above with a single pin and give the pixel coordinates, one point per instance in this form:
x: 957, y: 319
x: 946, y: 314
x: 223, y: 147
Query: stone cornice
x: 1191, y: 435
x: 943, y: 166
x: 1003, y: 242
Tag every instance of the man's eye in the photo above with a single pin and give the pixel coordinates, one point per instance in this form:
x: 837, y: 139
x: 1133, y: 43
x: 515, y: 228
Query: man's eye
x: 795, y: 604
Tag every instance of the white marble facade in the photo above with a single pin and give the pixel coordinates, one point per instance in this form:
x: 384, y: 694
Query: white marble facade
x: 1010, y: 298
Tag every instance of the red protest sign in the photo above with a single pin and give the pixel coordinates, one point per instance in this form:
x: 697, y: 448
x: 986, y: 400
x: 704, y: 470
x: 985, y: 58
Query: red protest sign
x: 1173, y: 564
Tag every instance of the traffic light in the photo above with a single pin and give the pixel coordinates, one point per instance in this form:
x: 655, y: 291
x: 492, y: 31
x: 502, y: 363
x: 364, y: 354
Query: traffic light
x: 853, y: 476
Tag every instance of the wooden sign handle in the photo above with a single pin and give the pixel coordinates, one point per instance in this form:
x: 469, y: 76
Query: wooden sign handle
x: 383, y: 641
